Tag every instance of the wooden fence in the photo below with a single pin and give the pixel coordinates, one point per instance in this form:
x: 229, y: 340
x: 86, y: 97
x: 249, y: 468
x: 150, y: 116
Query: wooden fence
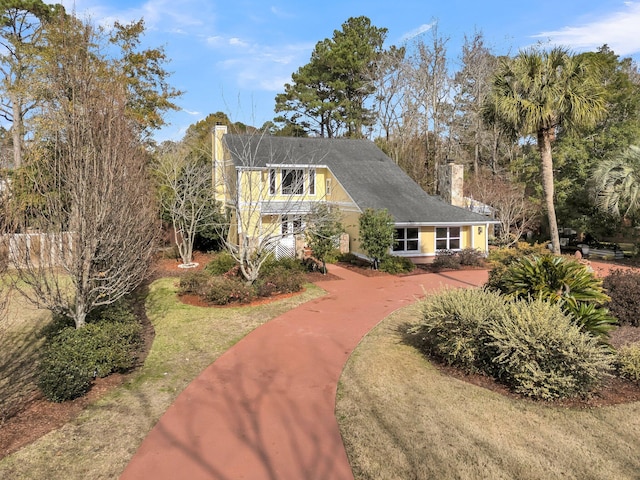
x: 37, y: 249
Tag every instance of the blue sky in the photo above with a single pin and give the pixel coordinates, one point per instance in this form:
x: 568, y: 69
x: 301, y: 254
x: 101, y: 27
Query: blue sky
x: 235, y: 55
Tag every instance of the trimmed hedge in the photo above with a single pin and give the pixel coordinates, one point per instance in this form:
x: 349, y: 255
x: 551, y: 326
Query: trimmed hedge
x: 394, y: 264
x: 73, y: 357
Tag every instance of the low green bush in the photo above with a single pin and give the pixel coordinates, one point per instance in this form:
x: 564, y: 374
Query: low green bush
x: 394, y: 264
x: 73, y: 357
x: 195, y: 283
x: 628, y: 361
x: 623, y: 286
x: 223, y: 291
x: 285, y: 263
x: 452, y: 325
x: 446, y: 260
x: 539, y: 352
x: 284, y: 280
x: 221, y: 263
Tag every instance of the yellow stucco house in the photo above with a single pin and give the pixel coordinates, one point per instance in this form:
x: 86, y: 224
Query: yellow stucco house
x: 269, y: 184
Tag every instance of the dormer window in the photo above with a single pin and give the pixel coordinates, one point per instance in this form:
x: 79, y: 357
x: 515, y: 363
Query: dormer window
x: 293, y: 181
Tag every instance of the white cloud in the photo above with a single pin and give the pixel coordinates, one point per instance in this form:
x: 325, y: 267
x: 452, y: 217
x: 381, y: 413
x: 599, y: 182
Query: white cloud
x: 236, y: 42
x: 418, y: 31
x: 619, y: 30
x: 191, y: 112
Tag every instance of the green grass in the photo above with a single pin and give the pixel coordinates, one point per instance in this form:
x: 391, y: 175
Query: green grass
x: 401, y: 418
x: 99, y: 443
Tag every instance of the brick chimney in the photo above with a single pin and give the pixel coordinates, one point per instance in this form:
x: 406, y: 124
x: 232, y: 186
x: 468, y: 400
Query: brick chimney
x: 451, y: 183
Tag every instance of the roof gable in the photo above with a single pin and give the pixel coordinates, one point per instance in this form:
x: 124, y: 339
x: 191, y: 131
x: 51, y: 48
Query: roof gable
x: 370, y: 177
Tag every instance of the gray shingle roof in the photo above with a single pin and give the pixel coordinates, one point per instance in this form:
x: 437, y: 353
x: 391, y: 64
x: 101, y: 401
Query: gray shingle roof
x: 370, y: 177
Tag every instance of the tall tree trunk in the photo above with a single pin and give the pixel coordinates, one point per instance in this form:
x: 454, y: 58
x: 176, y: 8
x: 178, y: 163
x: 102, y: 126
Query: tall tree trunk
x: 545, y: 136
x: 16, y: 131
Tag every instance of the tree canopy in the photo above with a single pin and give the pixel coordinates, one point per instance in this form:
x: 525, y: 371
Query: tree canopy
x: 328, y: 95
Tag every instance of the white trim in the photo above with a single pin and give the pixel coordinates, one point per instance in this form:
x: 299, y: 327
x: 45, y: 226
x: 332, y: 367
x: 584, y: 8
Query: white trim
x: 444, y: 224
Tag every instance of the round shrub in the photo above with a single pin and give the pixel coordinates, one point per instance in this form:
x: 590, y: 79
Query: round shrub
x: 624, y: 289
x: 73, y: 357
x: 446, y: 260
x: 283, y: 280
x: 223, y: 291
x: 537, y: 351
x: 221, y: 264
x: 194, y: 283
x: 394, y: 264
x: 285, y: 263
x: 471, y: 257
x: 452, y: 326
x: 628, y: 362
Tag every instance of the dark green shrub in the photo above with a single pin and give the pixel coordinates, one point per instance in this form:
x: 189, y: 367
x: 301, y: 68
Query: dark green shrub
x: 221, y: 264
x: 377, y: 233
x: 74, y: 356
x: 539, y: 352
x: 628, y: 362
x: 119, y: 311
x: 60, y: 380
x: 223, y: 291
x: 446, y: 260
x: 394, y: 264
x: 624, y: 289
x: 452, y: 325
x: 285, y: 263
x: 471, y: 257
x: 283, y: 280
x: 195, y: 283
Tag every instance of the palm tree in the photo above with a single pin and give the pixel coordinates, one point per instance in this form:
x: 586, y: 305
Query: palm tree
x: 538, y: 93
x: 617, y: 183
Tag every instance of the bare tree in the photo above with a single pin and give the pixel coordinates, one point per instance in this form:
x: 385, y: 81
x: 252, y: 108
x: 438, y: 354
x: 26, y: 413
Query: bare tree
x: 515, y: 211
x: 430, y: 94
x: 97, y: 217
x: 185, y: 193
x: 269, y: 189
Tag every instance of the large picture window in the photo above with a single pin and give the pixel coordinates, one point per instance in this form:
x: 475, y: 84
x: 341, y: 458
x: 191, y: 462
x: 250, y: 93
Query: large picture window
x: 448, y: 238
x: 293, y: 181
x: 406, y: 240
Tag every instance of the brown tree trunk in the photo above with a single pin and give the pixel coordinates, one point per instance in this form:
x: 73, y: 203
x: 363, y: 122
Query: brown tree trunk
x: 16, y: 132
x: 545, y: 136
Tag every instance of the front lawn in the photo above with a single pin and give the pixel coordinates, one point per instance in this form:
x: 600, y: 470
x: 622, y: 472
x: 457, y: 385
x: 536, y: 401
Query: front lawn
x: 401, y: 417
x: 100, y: 441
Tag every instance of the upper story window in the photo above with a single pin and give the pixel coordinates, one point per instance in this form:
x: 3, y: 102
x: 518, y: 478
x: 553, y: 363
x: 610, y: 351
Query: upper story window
x: 448, y: 238
x: 406, y: 240
x: 293, y: 181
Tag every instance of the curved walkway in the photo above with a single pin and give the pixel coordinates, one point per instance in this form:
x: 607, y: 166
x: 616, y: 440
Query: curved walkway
x: 265, y: 408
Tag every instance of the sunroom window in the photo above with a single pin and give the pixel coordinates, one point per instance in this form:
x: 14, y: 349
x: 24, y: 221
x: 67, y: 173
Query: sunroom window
x: 448, y: 238
x: 406, y: 240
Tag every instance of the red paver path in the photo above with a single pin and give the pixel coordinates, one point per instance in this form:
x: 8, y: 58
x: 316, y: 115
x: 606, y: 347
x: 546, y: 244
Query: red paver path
x: 265, y: 408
